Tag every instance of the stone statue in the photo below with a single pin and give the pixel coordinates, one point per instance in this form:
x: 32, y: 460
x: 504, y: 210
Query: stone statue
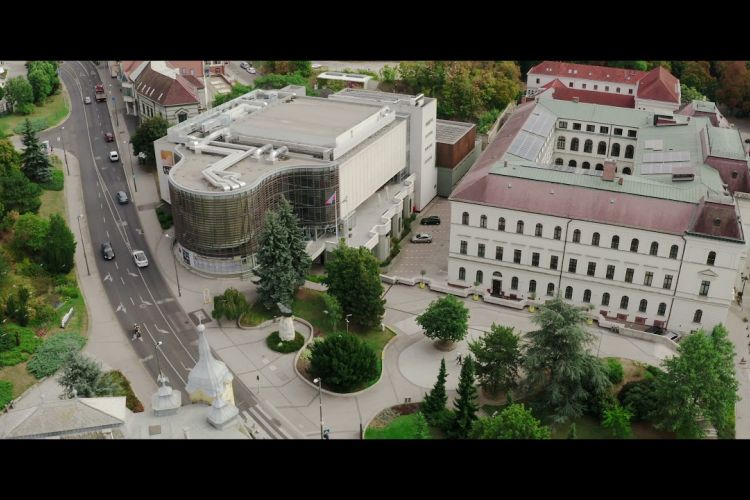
x: 286, y: 325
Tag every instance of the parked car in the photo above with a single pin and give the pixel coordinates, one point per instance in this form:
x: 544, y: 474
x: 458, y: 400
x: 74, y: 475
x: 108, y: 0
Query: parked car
x: 251, y: 70
x: 139, y: 256
x: 421, y: 238
x: 674, y: 337
x: 109, y: 136
x: 107, y: 251
x: 87, y: 100
x: 113, y: 156
x: 432, y: 220
x: 122, y: 197
x: 243, y: 65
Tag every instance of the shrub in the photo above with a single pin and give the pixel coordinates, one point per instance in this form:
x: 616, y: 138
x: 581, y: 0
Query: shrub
x: 131, y: 400
x: 56, y: 183
x: 615, y: 371
x: 43, y: 314
x: 51, y: 355
x: 276, y: 344
x: 344, y: 362
x: 231, y: 304
x: 63, y: 280
x: 164, y: 214
x: 640, y: 398
x: 68, y: 291
x: 29, y: 269
x: 653, y: 371
x: 6, y: 393
x: 316, y: 278
x: 28, y: 343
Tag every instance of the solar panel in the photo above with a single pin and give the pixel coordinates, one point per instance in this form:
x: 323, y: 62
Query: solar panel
x: 539, y: 123
x: 526, y: 146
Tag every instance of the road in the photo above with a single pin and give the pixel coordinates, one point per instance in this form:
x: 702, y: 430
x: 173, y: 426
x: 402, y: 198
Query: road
x: 235, y: 71
x: 138, y: 295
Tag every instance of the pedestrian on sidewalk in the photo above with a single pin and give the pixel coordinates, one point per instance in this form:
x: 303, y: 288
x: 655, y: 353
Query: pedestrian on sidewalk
x: 459, y: 359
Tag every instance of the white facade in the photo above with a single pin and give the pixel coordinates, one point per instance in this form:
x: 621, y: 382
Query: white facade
x: 656, y: 106
x: 536, y: 81
x: 613, y: 139
x: 148, y: 108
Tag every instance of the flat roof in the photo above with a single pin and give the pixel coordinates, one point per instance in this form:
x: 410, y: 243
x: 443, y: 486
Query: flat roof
x: 597, y: 113
x: 726, y: 143
x: 349, y: 77
x: 449, y: 132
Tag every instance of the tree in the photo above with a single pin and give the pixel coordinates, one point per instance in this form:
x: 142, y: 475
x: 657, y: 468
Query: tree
x: 18, y: 93
x: 498, y: 358
x: 689, y: 94
x: 231, y: 305
x: 35, y: 162
x: 445, y: 319
x: 278, y: 278
x: 433, y: 404
x: 513, y: 422
x: 615, y: 371
x: 734, y: 86
x: 18, y: 193
x: 557, y: 361
x: 58, y: 254
x: 83, y: 377
x: 697, y: 75
x: 422, y: 430
x: 617, y: 419
x: 304, y: 68
x: 49, y: 69
x: 333, y: 309
x: 572, y: 432
x: 343, y: 362
x: 353, y: 277
x: 40, y: 84
x: 17, y: 306
x: 147, y: 132
x: 237, y: 90
x: 295, y: 241
x: 388, y: 74
x: 465, y: 405
x: 30, y: 233
x: 640, y: 398
x: 699, y: 386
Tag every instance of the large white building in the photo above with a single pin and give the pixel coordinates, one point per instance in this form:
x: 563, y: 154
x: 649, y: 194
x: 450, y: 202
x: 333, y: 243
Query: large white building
x: 628, y: 211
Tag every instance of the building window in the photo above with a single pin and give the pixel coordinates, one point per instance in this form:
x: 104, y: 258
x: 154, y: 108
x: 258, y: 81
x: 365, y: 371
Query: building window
x: 599, y: 166
x: 610, y: 272
x: 662, y: 310
x: 553, y: 262
x: 574, y: 144
x: 595, y: 239
x: 538, y: 230
x: 734, y: 174
x: 537, y: 80
x: 559, y: 161
x: 480, y: 250
x: 617, y: 90
x: 632, y: 134
x: 596, y: 87
x: 634, y: 245
x: 630, y: 91
x: 673, y: 252
x: 532, y: 286
x: 668, y: 281
x: 654, y: 250
x: 577, y: 236
x: 501, y: 224
x: 606, y: 88
x: 601, y: 149
x: 572, y: 264
x: 615, y: 149
x: 697, y: 316
x: 588, y: 146
x: 629, y: 272
x: 576, y: 126
x: 586, y: 165
x: 648, y: 278
x: 480, y: 277
x: 587, y: 296
x: 465, y: 219
x: 499, y: 253
x: 535, y: 259
x: 643, y: 305
x: 704, y: 288
x: 514, y: 283
x: 603, y: 130
x: 583, y: 85
x: 615, y: 242
x: 560, y: 124
x: 572, y: 163
x: 629, y: 150
x: 519, y: 227
x: 605, y: 299
x: 462, y: 274
x: 561, y: 142
x: 624, y: 302
x: 558, y: 232
x: 517, y: 256
x: 464, y: 246
x: 570, y: 85
x: 483, y: 221
x: 590, y: 128
x: 617, y: 131
x: 591, y: 271
x: 711, y: 258
x: 569, y: 292
x: 550, y: 289
x: 181, y: 116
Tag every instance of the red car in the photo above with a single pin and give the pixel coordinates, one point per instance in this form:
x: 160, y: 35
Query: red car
x: 109, y: 136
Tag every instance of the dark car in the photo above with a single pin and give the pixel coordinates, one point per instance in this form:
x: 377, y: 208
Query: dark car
x: 432, y: 220
x: 107, y: 251
x: 122, y: 197
x: 109, y: 136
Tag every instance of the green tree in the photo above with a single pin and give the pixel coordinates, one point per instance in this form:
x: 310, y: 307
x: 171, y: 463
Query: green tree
x: 422, y: 430
x: 49, y: 68
x: 295, y: 241
x: 19, y: 93
x: 498, y: 358
x: 615, y: 371
x: 30, y: 233
x: 35, y: 162
x: 147, y: 132
x: 353, y: 277
x: 388, y: 74
x: 277, y: 81
x: 343, y: 362
x: 572, y: 432
x: 465, y: 405
x: 557, y: 361
x: 231, y: 305
x: 433, y: 404
x: 83, y: 377
x: 40, y: 84
x: 734, y: 86
x: 17, y: 306
x: 333, y: 307
x: 617, y: 419
x: 640, y: 398
x: 18, y: 193
x: 58, y: 254
x: 445, y: 319
x: 304, y: 68
x: 689, y: 94
x: 699, y: 385
x: 515, y: 421
x: 278, y: 278
x: 237, y: 90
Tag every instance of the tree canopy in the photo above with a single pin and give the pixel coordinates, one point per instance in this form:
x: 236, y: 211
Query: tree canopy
x: 19, y: 95
x: 514, y: 422
x: 59, y: 253
x: 35, y: 162
x: 150, y: 130
x: 498, y: 357
x: 445, y: 319
x: 278, y: 277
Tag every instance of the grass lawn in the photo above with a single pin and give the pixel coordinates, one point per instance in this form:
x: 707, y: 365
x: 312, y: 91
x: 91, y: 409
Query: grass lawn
x: 19, y: 376
x: 53, y: 202
x: 403, y: 427
x: 53, y: 111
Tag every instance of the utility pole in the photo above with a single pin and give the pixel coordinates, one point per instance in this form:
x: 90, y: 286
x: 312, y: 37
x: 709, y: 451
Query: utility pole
x: 83, y: 245
x: 65, y: 152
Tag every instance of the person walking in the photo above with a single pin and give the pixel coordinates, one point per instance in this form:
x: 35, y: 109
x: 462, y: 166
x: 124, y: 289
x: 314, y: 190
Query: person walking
x: 459, y: 359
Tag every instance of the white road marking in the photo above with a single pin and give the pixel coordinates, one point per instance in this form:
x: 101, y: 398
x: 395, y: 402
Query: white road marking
x: 118, y: 267
x: 123, y: 281
x: 132, y: 274
x: 108, y: 277
x: 121, y: 308
x: 131, y: 300
x: 107, y: 234
x: 160, y: 330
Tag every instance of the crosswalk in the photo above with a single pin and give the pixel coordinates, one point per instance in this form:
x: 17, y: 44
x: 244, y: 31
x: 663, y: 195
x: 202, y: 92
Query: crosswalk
x: 263, y: 426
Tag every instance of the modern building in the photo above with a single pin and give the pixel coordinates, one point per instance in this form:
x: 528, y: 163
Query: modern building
x: 625, y: 211
x: 456, y: 148
x: 342, y: 165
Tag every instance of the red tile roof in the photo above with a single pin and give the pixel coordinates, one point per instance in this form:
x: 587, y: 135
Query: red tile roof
x: 185, y: 68
x: 163, y: 89
x: 563, y: 93
x: 659, y: 85
x: 587, y: 71
x: 715, y: 219
x: 196, y: 82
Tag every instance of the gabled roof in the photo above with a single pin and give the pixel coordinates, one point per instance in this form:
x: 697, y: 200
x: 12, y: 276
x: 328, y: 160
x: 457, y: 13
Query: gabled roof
x: 659, y: 85
x: 163, y: 89
x: 587, y: 71
x: 561, y: 92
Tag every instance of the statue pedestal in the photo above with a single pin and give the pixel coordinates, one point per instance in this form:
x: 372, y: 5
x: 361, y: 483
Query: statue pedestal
x: 286, y: 328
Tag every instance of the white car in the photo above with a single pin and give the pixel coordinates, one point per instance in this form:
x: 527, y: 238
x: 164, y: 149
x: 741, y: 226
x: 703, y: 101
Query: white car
x: 87, y: 100
x: 139, y: 256
x: 251, y: 70
x: 113, y: 156
x: 421, y: 238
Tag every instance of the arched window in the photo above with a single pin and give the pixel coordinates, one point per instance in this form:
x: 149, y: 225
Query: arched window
x: 629, y: 150
x: 615, y: 242
x: 643, y: 306
x: 673, y: 251
x: 711, y: 258
x: 588, y: 146
x: 501, y: 224
x: 587, y: 296
x: 550, y: 289
x: 585, y: 165
x: 532, y: 286
x: 595, y: 240
x: 654, y: 248
x: 624, y: 302
x: 572, y: 163
x: 569, y: 292
x: 601, y: 149
x: 577, y: 236
x: 615, y: 150
x: 558, y: 232
x: 519, y: 227
x: 605, y: 299
x: 559, y: 161
x: 461, y: 273
x: 483, y: 221
x: 634, y: 245
x: 574, y: 144
x: 627, y: 171
x: 561, y: 142
x: 697, y: 316
x: 662, y: 309
x: 514, y: 283
x: 465, y: 219
x: 599, y: 166
x: 538, y: 230
x: 480, y: 277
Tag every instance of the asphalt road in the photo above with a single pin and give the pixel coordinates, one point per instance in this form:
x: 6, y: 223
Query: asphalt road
x: 138, y: 295
x: 240, y: 74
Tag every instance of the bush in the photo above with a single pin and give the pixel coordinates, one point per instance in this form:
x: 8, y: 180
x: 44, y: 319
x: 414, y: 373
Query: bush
x: 131, y: 400
x: 653, y: 371
x: 231, y: 304
x: 640, y: 398
x: 615, y: 371
x: 443, y: 420
x: 276, y: 344
x: 28, y: 345
x: 164, y: 214
x: 43, y: 314
x: 316, y: 278
x: 56, y: 183
x: 344, y: 362
x: 68, y: 291
x: 30, y: 269
x: 6, y: 393
x: 51, y: 355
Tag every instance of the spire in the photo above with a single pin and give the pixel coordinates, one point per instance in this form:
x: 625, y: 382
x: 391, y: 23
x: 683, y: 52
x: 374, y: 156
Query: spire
x: 209, y: 377
x: 165, y: 401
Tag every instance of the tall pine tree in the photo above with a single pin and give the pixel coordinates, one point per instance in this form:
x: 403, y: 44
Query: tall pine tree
x: 34, y: 161
x: 434, y: 401
x: 296, y: 241
x: 465, y: 406
x: 58, y: 254
x: 278, y: 280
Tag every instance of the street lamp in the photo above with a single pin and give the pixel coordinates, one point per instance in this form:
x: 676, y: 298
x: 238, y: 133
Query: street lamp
x: 320, y: 399
x: 347, y: 322
x: 174, y: 261
x: 130, y: 159
x: 65, y: 152
x: 114, y: 105
x: 158, y: 364
x: 83, y: 245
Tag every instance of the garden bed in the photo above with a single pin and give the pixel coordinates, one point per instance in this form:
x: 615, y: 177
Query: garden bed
x: 275, y: 343
x: 397, y: 422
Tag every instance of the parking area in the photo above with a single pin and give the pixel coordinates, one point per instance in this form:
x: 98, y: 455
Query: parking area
x: 430, y: 257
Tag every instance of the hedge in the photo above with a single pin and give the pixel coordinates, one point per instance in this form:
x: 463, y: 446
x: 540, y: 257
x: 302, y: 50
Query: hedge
x: 51, y: 355
x: 6, y: 393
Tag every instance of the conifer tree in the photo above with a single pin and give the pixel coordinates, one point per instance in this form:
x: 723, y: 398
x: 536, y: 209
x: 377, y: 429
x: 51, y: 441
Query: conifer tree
x: 434, y: 401
x: 34, y: 161
x: 296, y: 241
x: 465, y: 405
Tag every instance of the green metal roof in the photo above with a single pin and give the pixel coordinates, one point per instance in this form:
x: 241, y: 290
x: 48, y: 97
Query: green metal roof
x: 608, y: 115
x: 725, y: 143
x: 704, y: 106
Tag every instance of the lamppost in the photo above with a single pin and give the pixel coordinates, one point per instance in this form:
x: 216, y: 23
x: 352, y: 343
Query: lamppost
x: 114, y: 105
x: 158, y: 364
x: 65, y: 152
x: 174, y: 261
x: 347, y: 322
x: 130, y: 159
x: 83, y: 245
x: 320, y: 399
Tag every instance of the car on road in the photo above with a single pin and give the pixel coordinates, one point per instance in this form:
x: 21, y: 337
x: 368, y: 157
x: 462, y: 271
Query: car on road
x: 113, y: 156
x: 243, y: 65
x: 109, y: 137
x: 122, y: 197
x: 107, y: 251
x: 432, y: 220
x: 421, y: 238
x: 87, y: 100
x: 139, y: 256
x: 251, y: 70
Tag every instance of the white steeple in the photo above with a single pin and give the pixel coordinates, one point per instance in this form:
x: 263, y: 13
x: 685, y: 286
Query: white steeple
x: 209, y: 377
x: 165, y: 401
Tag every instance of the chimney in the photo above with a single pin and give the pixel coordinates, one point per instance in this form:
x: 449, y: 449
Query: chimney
x: 610, y: 167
